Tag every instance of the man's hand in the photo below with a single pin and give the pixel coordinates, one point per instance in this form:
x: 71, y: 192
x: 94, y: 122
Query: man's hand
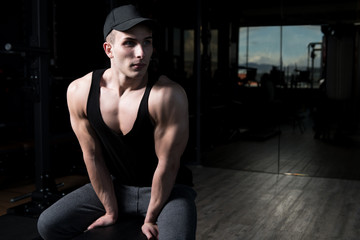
x: 151, y: 231
x: 103, y: 221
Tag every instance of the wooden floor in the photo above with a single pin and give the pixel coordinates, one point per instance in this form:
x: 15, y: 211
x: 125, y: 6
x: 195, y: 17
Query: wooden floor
x: 7, y: 194
x: 235, y: 204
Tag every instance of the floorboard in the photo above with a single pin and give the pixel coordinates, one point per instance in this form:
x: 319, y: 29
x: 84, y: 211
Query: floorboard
x: 67, y: 184
x: 236, y: 204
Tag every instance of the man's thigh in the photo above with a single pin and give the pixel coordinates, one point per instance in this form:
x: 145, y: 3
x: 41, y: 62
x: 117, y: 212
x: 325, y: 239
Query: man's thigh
x: 71, y: 215
x: 178, y: 219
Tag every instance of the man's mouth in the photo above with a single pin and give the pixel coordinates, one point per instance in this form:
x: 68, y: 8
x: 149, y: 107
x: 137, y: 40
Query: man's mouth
x: 139, y: 64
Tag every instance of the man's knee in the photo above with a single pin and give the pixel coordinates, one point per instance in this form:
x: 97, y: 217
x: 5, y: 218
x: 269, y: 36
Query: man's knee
x: 179, y: 216
x: 46, y: 226
x: 182, y: 200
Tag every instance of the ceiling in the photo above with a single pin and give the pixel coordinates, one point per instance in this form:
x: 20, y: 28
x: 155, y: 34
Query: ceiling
x: 256, y: 13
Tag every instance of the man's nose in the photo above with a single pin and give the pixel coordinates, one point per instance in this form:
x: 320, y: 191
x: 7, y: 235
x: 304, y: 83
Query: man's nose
x: 139, y: 51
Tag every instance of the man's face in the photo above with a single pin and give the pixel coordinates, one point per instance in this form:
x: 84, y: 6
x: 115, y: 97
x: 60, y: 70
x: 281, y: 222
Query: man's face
x: 132, y: 51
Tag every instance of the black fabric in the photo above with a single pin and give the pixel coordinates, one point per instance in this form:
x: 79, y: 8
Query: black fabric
x: 18, y: 227
x: 123, y: 229
x: 131, y: 158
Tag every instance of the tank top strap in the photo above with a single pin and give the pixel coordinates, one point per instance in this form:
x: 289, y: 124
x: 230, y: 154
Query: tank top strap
x: 145, y: 99
x: 94, y: 93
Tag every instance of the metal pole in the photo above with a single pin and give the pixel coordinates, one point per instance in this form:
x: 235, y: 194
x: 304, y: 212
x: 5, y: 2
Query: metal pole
x: 40, y: 75
x: 46, y: 190
x: 198, y: 79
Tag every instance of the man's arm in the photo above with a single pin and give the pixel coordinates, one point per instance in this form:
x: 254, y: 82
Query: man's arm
x: 169, y: 107
x: 99, y: 175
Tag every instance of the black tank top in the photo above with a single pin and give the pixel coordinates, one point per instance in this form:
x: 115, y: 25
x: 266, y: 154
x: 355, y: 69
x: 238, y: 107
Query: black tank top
x: 130, y: 158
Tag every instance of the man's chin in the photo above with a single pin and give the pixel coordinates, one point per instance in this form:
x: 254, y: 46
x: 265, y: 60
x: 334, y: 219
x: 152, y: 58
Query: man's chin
x: 137, y: 74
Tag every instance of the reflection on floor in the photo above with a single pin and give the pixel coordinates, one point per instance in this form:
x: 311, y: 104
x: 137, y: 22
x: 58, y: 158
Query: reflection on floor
x: 244, y: 205
x: 291, y: 152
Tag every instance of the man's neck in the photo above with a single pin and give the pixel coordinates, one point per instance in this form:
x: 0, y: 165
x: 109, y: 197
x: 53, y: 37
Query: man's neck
x: 123, y: 83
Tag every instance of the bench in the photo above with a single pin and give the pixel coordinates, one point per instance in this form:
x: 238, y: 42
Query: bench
x: 124, y: 229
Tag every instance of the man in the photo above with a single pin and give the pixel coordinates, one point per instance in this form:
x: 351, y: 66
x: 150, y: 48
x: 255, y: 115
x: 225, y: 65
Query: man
x: 132, y: 129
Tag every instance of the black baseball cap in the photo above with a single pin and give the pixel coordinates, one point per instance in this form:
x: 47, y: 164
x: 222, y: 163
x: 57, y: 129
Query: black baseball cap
x: 123, y: 18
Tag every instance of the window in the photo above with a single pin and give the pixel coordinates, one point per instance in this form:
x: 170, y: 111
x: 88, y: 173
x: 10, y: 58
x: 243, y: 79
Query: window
x: 189, y: 51
x: 293, y: 51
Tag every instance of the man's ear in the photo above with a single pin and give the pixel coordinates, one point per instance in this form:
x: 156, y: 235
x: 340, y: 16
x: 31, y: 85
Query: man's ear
x: 107, y: 48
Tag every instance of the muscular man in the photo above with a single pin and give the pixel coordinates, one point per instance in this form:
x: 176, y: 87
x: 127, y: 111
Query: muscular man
x: 132, y: 129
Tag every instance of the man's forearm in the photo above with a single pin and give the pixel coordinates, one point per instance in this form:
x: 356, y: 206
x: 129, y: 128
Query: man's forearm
x: 163, y: 182
x: 102, y: 183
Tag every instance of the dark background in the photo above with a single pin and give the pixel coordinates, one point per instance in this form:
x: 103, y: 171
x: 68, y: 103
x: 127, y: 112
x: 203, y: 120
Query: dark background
x: 73, y: 46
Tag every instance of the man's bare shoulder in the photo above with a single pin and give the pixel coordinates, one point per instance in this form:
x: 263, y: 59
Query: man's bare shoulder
x: 165, y: 87
x: 167, y: 96
x: 78, y: 92
x: 80, y: 85
x: 165, y: 81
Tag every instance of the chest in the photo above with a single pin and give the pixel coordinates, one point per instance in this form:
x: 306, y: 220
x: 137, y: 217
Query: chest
x: 120, y: 113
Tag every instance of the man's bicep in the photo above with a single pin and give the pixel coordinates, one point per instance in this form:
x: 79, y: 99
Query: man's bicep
x: 172, y: 130
x: 86, y: 137
x: 76, y: 100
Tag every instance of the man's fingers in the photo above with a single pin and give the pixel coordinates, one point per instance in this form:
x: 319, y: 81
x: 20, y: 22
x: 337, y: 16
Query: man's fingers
x: 155, y: 233
x: 151, y: 236
x: 150, y: 231
x: 102, y: 222
x: 95, y: 224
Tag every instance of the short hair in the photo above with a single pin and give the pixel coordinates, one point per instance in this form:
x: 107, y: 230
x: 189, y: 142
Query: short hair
x: 110, y: 37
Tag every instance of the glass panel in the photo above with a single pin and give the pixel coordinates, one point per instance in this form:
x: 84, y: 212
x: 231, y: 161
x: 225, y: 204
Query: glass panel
x: 243, y: 46
x: 252, y: 140
x: 270, y: 60
x: 189, y: 52
x: 302, y: 55
x: 214, y: 50
x: 177, y: 42
x: 259, y: 52
x: 279, y: 85
x: 297, y: 104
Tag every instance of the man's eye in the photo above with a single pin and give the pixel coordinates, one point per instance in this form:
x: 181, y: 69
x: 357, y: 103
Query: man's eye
x: 129, y: 43
x: 147, y: 42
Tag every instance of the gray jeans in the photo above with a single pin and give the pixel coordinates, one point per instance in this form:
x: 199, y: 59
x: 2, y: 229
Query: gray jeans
x: 72, y: 214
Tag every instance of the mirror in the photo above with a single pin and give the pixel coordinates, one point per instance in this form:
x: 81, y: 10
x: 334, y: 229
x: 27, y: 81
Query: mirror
x: 279, y: 116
